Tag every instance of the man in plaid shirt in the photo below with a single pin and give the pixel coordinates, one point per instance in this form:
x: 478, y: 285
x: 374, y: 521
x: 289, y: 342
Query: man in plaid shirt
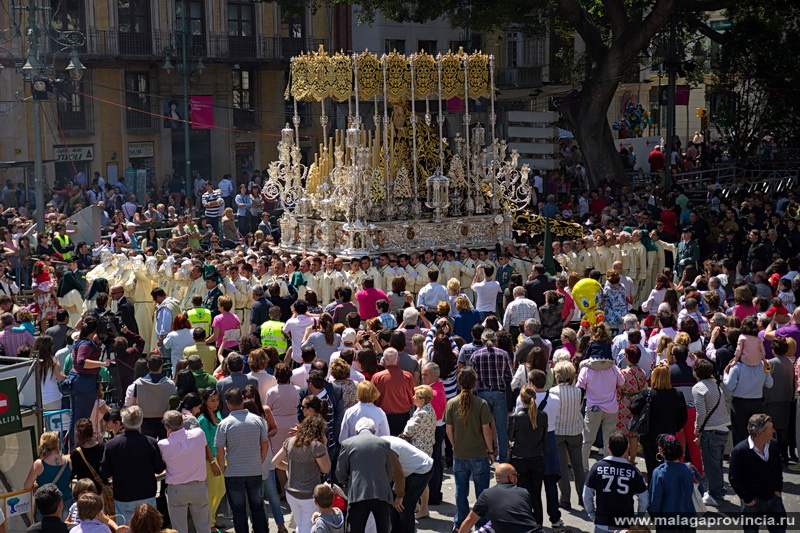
x: 493, y: 366
x: 518, y: 311
x: 10, y: 341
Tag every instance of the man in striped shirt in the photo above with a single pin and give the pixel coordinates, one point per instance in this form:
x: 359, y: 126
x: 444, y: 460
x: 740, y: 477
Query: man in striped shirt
x: 11, y: 341
x: 213, y: 204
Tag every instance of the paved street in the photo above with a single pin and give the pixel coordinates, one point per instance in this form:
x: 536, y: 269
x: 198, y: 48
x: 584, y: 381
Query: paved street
x: 441, y: 518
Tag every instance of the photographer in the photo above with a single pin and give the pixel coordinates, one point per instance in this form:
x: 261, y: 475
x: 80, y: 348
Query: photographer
x: 8, y: 283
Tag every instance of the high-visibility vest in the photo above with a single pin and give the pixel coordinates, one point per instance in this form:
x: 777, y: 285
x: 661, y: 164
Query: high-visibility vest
x: 272, y: 335
x: 200, y: 317
x: 63, y: 240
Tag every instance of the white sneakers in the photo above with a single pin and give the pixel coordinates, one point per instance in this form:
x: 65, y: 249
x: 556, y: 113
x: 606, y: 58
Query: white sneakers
x: 709, y: 500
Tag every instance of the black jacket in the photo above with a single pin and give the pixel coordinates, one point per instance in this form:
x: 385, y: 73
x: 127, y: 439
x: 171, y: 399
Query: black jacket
x: 135, y: 460
x: 126, y: 313
x: 335, y: 410
x: 536, y: 288
x: 49, y: 524
x: 71, y: 280
x: 667, y: 411
x: 751, y: 477
x: 529, y: 443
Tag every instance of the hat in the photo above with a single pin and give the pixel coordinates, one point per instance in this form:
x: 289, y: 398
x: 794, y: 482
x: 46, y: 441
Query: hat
x: 777, y: 311
x: 349, y: 335
x: 688, y: 228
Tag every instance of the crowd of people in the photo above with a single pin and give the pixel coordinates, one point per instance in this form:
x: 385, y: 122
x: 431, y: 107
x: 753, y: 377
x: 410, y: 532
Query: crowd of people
x: 348, y: 386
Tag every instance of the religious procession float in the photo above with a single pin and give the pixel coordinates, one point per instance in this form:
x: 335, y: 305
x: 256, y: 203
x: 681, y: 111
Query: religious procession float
x: 398, y: 186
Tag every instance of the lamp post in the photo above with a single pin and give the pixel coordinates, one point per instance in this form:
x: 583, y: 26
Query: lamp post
x: 674, y: 62
x: 185, y: 70
x: 36, y: 19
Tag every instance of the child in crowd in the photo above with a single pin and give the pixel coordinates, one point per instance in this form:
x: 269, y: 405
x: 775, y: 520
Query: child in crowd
x: 25, y: 319
x: 750, y: 348
x: 786, y: 294
x: 328, y: 519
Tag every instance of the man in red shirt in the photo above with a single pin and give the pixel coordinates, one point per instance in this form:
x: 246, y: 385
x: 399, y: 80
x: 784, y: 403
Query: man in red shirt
x: 597, y: 203
x: 367, y: 299
x: 656, y: 160
x: 397, y: 392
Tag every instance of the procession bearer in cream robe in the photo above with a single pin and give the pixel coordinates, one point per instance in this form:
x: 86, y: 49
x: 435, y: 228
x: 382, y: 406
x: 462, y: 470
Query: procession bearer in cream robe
x: 421, y: 279
x: 627, y: 255
x: 642, y: 268
x: 196, y: 287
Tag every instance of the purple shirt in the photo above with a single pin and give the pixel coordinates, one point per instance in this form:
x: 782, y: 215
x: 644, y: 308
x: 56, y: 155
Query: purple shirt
x: 792, y: 330
x: 184, y: 452
x: 603, y: 389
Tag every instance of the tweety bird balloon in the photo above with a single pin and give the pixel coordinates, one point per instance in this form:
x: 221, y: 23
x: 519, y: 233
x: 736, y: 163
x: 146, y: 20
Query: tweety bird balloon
x: 586, y: 294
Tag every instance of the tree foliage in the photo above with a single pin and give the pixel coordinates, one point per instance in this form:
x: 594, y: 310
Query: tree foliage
x: 614, y: 32
x: 756, y: 74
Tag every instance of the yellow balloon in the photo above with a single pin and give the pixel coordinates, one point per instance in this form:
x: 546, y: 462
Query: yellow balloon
x: 586, y: 294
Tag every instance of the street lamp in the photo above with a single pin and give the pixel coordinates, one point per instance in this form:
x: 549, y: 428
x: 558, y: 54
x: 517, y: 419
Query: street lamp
x: 185, y: 70
x: 43, y: 77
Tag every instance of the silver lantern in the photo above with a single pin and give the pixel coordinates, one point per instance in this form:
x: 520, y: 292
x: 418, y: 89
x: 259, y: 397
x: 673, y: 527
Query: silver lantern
x: 438, y: 195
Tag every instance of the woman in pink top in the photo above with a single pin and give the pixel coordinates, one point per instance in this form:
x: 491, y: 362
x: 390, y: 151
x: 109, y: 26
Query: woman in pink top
x: 744, y: 303
x: 282, y: 399
x: 225, y: 321
x: 750, y: 347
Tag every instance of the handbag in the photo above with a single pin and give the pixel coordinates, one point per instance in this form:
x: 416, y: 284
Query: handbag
x: 65, y: 385
x: 106, y: 491
x: 640, y: 423
x: 697, y: 498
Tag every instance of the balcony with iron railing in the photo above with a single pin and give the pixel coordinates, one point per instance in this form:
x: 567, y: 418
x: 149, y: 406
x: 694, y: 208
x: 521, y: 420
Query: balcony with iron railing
x: 75, y: 121
x: 113, y: 43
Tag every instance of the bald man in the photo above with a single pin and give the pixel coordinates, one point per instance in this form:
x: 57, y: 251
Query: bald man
x: 506, y: 505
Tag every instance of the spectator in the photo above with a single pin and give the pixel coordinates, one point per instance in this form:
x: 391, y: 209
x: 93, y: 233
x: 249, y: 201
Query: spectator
x: 50, y: 505
x: 505, y: 505
x: 755, y: 472
x: 672, y: 482
x: 152, y: 393
x: 430, y: 377
x: 468, y: 421
x: 711, y: 427
x: 366, y: 393
x: 611, y: 485
x: 411, y: 479
x: 236, y: 380
x: 365, y: 468
x: 528, y: 431
x: 568, y: 428
x: 184, y: 452
x: 242, y: 443
x: 134, y: 457
x: 396, y: 389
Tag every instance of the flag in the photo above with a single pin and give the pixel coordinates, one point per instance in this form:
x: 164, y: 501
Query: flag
x: 548, y: 260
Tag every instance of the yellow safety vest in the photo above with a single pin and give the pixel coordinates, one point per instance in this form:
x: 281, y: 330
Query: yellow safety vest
x: 63, y: 240
x: 200, y: 317
x: 272, y: 335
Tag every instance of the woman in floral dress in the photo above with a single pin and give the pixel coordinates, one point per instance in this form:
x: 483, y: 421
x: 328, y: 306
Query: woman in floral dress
x: 635, y: 380
x: 614, y: 302
x: 44, y: 290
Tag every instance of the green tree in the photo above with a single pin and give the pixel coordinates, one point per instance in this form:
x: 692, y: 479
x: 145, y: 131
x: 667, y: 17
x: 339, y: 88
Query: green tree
x: 615, y: 33
x: 756, y: 75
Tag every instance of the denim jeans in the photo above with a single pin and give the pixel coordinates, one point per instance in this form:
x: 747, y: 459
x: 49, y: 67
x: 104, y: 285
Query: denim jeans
x: 84, y: 393
x: 772, y: 507
x: 438, y: 467
x: 405, y: 522
x: 712, y: 447
x: 125, y: 510
x: 270, y: 493
x: 499, y: 408
x: 462, y: 469
x: 242, y: 490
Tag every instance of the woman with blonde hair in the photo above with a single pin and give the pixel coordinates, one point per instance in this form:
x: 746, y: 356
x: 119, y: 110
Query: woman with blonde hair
x: 667, y: 412
x: 569, y: 431
x: 465, y: 317
x: 527, y: 433
x: 418, y: 341
x: 453, y: 293
x: 366, y: 394
x: 420, y: 430
x: 663, y: 349
x: 51, y: 467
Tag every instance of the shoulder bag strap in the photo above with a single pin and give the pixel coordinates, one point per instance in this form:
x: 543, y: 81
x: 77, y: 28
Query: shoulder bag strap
x: 96, y: 477
x: 58, y: 476
x: 711, y: 412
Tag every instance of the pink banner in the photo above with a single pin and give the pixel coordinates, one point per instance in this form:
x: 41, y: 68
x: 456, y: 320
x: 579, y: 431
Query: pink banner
x: 202, y: 112
x: 682, y: 93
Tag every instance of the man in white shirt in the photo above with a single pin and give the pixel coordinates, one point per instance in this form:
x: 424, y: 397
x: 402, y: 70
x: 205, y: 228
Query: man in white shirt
x: 295, y: 328
x: 620, y: 342
x: 486, y: 291
x: 633, y: 337
x: 431, y: 294
x: 300, y: 374
x: 226, y: 190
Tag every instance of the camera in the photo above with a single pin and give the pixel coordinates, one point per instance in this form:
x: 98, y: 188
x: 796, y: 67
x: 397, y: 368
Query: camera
x: 9, y: 273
